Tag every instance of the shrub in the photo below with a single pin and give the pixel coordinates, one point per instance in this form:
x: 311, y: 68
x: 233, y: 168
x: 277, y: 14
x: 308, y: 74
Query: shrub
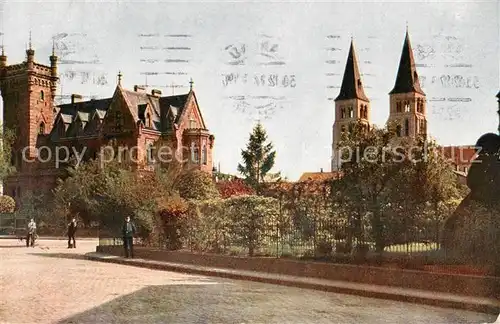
x: 197, y: 185
x: 324, y: 249
x: 7, y: 204
x: 173, y: 213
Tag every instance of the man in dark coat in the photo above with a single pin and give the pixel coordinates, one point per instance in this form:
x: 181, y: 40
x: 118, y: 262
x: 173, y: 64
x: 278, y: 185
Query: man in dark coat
x: 71, y: 233
x: 128, y: 232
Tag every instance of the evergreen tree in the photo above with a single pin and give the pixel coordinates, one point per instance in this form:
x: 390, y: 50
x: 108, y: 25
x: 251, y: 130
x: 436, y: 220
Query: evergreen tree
x: 258, y: 158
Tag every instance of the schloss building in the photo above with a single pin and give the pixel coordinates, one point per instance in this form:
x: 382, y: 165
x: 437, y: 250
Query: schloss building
x: 129, y: 119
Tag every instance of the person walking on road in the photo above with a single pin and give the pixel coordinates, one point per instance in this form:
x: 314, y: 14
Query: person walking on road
x: 71, y: 233
x: 128, y: 231
x: 30, y: 238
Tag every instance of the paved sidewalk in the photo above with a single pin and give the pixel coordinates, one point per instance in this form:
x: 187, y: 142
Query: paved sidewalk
x: 477, y: 304
x: 51, y: 238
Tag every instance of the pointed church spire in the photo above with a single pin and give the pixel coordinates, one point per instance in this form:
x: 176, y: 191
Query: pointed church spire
x: 29, y: 41
x: 352, y: 87
x: 407, y: 78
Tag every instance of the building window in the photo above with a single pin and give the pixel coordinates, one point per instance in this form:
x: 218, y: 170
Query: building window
x: 204, y: 155
x: 192, y: 123
x: 41, y: 130
x: 42, y: 95
x: 350, y: 112
x: 407, y: 127
x: 118, y: 121
x: 149, y: 153
x: 407, y: 106
x: 148, y: 120
x: 398, y: 106
x: 195, y: 151
x: 342, y: 112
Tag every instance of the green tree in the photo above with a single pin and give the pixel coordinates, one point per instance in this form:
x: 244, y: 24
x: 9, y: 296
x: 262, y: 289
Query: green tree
x: 7, y: 141
x: 258, y: 158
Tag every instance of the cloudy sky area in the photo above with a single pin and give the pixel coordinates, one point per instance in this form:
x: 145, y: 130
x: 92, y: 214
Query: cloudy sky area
x: 299, y: 49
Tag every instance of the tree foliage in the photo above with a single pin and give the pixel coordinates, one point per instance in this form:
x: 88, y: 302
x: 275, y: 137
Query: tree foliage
x: 7, y: 204
x: 389, y: 189
x: 197, y: 185
x: 258, y: 157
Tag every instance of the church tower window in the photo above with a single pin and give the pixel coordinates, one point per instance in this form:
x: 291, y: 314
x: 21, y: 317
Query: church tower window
x: 204, y: 155
x: 350, y: 112
x: 407, y: 106
x: 398, y: 106
x: 342, y: 112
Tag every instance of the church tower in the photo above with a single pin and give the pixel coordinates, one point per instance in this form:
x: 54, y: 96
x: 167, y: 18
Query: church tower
x: 28, y: 90
x: 407, y: 100
x: 351, y: 105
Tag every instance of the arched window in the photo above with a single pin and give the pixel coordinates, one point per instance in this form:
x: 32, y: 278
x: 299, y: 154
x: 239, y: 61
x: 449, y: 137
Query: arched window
x: 41, y: 129
x: 398, y: 130
x: 42, y: 95
x: 204, y: 155
x: 350, y: 112
x: 407, y: 127
x: 342, y: 112
x: 407, y: 106
x: 398, y: 106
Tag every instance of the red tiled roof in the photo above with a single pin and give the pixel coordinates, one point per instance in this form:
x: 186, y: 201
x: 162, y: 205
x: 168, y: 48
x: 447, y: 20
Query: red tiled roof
x: 459, y: 155
x: 319, y: 176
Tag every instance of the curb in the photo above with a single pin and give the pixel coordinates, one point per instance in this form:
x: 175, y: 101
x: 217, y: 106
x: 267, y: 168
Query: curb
x: 482, y: 305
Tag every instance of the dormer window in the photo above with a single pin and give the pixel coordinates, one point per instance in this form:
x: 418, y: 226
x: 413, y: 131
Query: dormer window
x: 192, y: 123
x: 148, y: 121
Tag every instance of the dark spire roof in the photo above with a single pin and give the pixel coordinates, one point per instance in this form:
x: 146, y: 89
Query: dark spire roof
x: 498, y: 95
x: 352, y: 87
x: 407, y: 78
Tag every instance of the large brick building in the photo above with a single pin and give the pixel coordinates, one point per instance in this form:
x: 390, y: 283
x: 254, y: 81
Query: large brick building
x: 144, y: 125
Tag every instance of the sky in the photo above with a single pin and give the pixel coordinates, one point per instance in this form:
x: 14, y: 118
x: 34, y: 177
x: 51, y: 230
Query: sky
x: 279, y: 63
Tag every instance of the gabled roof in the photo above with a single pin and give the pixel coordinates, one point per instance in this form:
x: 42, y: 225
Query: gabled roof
x: 352, y: 86
x: 407, y: 78
x: 136, y: 101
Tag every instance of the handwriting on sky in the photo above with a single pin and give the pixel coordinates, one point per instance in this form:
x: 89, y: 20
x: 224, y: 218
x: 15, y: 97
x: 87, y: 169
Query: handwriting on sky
x: 256, y: 78
x: 165, y: 60
x: 79, y: 64
x: 447, y: 75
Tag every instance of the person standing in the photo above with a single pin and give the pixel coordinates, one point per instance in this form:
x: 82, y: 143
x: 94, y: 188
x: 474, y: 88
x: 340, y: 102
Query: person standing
x: 31, y: 233
x: 128, y: 231
x: 71, y: 233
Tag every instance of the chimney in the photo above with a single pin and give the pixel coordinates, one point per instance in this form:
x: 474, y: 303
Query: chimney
x: 138, y: 88
x: 156, y: 92
x: 76, y: 98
